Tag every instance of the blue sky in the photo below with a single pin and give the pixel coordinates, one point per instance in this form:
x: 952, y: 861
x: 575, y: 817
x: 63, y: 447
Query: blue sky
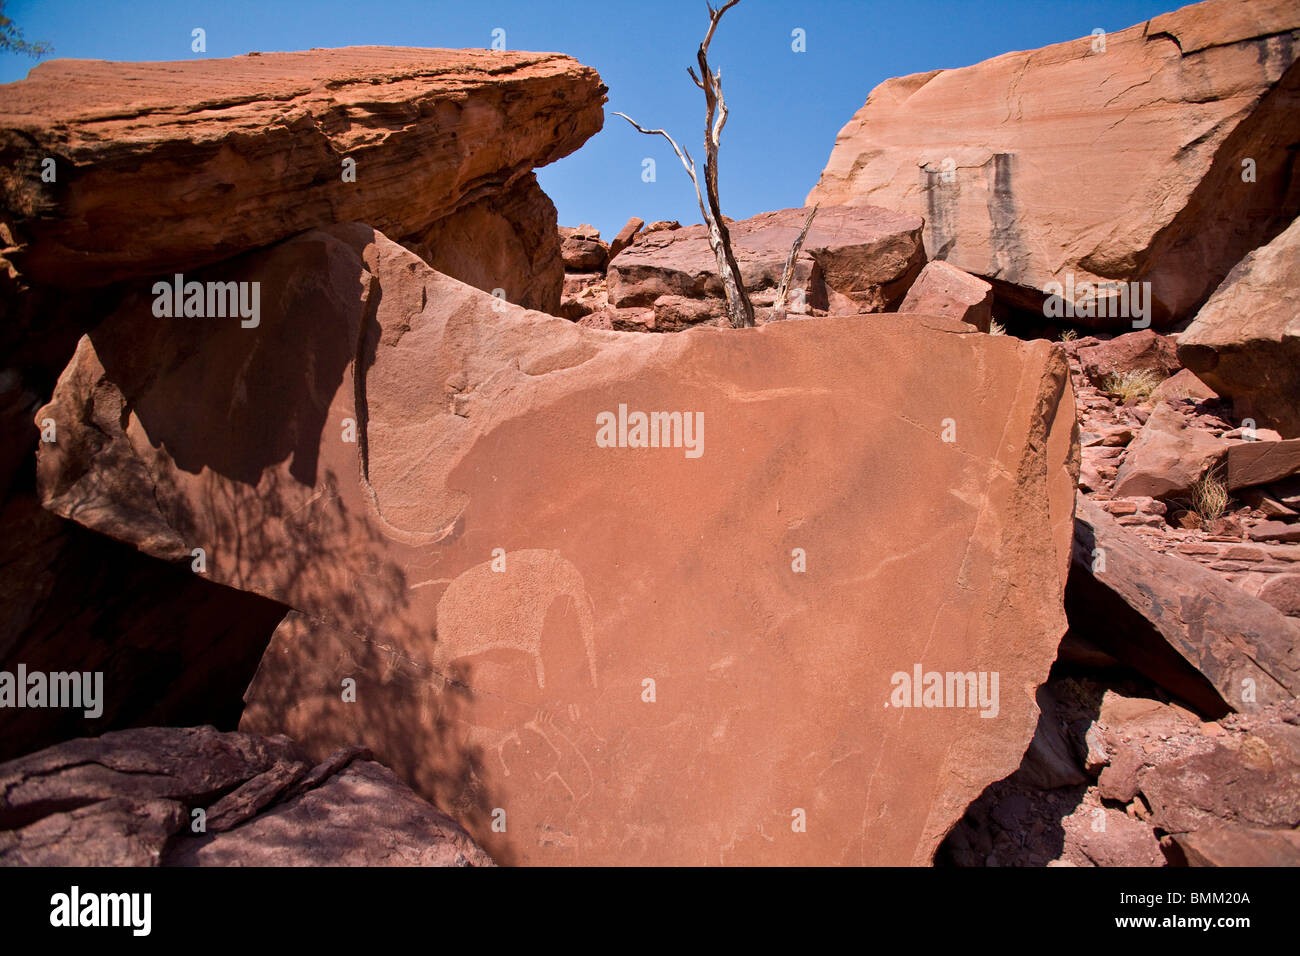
x: 786, y: 107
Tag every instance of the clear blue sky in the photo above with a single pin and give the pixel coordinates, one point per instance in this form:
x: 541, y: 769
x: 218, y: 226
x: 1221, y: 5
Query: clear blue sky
x: 786, y: 107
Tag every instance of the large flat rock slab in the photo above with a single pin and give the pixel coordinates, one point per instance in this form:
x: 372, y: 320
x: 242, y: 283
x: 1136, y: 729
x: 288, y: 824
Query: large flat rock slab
x: 173, y: 165
x: 583, y: 650
x: 1119, y: 161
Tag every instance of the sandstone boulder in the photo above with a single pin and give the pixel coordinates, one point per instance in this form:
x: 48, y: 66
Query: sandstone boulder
x: 853, y: 260
x: 1245, y: 341
x: 132, y: 798
x: 584, y: 255
x: 1183, y: 384
x: 169, y: 166
x: 942, y: 289
x: 1275, y: 531
x: 1172, y: 790
x: 1251, y: 463
x: 631, y: 682
x: 625, y: 236
x: 195, y: 764
x: 1234, y: 845
x: 1283, y: 592
x: 584, y: 293
x: 504, y: 241
x: 362, y: 815
x: 1183, y: 626
x: 1168, y: 456
x: 1251, y: 777
x: 1143, y: 351
x: 1001, y: 158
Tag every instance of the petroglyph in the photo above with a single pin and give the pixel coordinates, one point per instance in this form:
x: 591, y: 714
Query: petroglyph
x: 484, y: 610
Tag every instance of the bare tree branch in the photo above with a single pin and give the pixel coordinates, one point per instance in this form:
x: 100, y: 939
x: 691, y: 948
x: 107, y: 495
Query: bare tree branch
x: 787, y: 274
x: 714, y: 17
x: 682, y: 154
x: 740, y: 311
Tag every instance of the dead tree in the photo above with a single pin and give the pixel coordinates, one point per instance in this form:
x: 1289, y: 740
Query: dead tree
x: 787, y: 274
x: 740, y: 311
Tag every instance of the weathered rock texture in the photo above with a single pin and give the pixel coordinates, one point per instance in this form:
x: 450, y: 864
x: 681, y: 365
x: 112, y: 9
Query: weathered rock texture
x: 1149, y: 784
x: 859, y: 259
x: 1168, y: 456
x: 1188, y: 630
x: 163, y: 166
x: 1245, y: 341
x: 1001, y: 158
x: 942, y: 289
x: 626, y: 236
x: 650, y: 680
x: 1143, y: 351
x: 170, y: 166
x: 195, y: 797
x: 505, y: 242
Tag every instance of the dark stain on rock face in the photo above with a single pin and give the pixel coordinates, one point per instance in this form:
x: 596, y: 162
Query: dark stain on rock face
x: 940, y: 209
x: 1009, y: 253
x: 1275, y: 54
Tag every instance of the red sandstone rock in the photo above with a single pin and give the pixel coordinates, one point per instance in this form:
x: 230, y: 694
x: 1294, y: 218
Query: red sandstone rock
x: 1219, y: 793
x: 1181, y: 625
x: 527, y: 690
x: 1283, y: 592
x: 1245, y: 341
x: 1109, y: 837
x: 1134, y: 352
x: 853, y: 260
x: 360, y: 816
x: 1252, y: 778
x: 1234, y: 845
x: 672, y: 313
x: 1251, y: 463
x: 130, y: 798
x: 109, y: 832
x: 1002, y: 158
x: 1275, y: 531
x: 626, y: 236
x: 584, y: 255
x: 195, y: 765
x: 1168, y: 456
x: 942, y: 289
x: 191, y: 162
x: 1181, y: 385
x: 584, y: 293
x: 504, y: 241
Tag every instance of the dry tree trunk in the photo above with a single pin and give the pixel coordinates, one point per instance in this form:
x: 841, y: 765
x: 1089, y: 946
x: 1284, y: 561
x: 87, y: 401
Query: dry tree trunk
x: 787, y: 274
x: 740, y: 310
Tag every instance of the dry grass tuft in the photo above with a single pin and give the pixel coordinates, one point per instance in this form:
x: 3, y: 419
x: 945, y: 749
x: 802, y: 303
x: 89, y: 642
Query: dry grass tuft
x: 1127, y: 386
x: 1209, y: 497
